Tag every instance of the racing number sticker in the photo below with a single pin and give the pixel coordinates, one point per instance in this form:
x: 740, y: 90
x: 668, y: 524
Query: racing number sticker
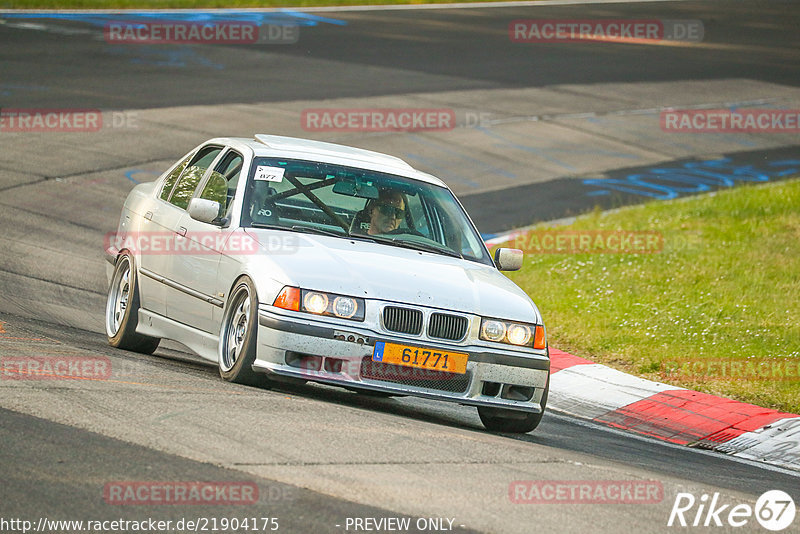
x: 269, y: 174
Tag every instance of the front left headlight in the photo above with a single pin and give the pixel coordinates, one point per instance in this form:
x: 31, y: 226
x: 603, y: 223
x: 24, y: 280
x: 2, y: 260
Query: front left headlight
x: 321, y: 303
x: 513, y: 333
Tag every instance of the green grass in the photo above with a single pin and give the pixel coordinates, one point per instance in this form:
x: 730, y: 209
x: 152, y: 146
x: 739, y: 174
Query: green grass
x: 725, y: 289
x: 201, y: 4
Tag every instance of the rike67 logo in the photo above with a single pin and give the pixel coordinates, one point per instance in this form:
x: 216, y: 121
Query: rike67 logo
x: 774, y: 510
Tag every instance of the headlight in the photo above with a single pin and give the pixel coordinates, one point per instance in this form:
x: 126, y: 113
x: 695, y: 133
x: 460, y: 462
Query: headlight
x: 315, y: 302
x: 520, y: 334
x: 344, y: 307
x: 320, y: 303
x: 492, y: 330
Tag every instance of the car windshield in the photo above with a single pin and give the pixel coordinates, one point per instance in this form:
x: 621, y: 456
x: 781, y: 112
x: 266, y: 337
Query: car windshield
x: 336, y: 200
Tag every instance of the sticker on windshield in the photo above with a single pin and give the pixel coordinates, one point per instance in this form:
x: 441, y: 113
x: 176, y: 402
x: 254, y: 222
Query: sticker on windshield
x: 269, y: 174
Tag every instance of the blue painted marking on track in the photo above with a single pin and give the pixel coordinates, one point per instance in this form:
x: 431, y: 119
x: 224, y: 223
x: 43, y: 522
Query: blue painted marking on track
x: 283, y: 17
x: 783, y: 163
x: 184, y: 56
x: 690, y: 177
x: 129, y: 174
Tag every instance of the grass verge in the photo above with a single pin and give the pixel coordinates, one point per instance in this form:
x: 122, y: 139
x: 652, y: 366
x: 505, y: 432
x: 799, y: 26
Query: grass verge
x: 715, y: 309
x: 204, y: 4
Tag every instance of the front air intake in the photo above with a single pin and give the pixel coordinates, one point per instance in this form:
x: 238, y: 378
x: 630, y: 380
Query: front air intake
x: 402, y: 320
x: 445, y: 326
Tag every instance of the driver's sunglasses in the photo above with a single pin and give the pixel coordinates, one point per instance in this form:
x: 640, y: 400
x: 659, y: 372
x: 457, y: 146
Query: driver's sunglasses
x: 387, y: 210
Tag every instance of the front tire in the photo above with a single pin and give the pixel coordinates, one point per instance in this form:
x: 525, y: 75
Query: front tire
x: 122, y: 310
x: 237, y: 339
x: 512, y: 421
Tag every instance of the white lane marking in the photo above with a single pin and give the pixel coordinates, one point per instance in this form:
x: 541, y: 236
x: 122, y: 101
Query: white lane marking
x: 52, y: 28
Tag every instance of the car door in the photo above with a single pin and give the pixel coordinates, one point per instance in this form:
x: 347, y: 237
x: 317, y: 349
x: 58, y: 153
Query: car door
x: 159, y: 232
x: 196, y: 270
x: 156, y: 228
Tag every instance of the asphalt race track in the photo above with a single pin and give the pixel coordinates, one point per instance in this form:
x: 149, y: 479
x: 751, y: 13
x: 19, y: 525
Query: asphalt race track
x: 543, y: 131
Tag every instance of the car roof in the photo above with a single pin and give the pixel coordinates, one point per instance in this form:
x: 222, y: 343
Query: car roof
x: 264, y: 145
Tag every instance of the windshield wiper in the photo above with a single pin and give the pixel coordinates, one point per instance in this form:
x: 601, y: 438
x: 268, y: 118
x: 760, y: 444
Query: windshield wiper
x: 414, y: 246
x: 428, y: 248
x: 267, y: 226
x: 298, y: 228
x: 314, y: 230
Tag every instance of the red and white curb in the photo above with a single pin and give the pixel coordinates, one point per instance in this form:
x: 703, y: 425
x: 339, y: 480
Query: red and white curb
x: 584, y: 389
x: 596, y: 392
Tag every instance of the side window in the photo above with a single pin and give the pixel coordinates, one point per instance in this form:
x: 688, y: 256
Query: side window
x: 172, y: 178
x: 194, y: 172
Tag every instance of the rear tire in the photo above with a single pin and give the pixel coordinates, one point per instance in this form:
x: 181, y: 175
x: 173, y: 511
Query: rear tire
x: 237, y: 339
x: 512, y: 421
x: 122, y: 310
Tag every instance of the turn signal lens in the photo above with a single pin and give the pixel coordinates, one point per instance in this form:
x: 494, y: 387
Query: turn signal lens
x: 288, y: 299
x: 539, y: 340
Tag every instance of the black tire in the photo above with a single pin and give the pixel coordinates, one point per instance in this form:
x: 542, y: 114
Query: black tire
x: 237, y: 338
x: 122, y: 310
x: 512, y: 421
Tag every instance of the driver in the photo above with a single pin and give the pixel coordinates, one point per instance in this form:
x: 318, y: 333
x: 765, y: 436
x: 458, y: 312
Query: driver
x: 386, y: 212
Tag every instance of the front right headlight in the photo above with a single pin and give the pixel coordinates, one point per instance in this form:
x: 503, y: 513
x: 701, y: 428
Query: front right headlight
x: 513, y: 333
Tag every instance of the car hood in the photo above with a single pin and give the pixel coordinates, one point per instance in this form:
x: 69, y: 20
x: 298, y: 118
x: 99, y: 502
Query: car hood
x: 376, y: 271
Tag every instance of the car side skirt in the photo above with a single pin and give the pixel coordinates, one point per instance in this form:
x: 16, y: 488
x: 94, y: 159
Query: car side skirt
x: 155, y: 325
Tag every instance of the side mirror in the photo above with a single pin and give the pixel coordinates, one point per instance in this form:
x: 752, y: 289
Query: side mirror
x: 508, y: 259
x: 203, y: 210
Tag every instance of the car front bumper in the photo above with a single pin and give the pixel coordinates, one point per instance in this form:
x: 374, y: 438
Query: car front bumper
x: 310, y: 348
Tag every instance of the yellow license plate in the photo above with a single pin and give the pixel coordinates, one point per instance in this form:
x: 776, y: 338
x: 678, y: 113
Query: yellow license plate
x: 420, y: 357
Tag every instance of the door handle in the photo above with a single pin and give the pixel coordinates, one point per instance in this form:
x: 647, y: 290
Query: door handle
x: 149, y: 215
x: 182, y: 231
